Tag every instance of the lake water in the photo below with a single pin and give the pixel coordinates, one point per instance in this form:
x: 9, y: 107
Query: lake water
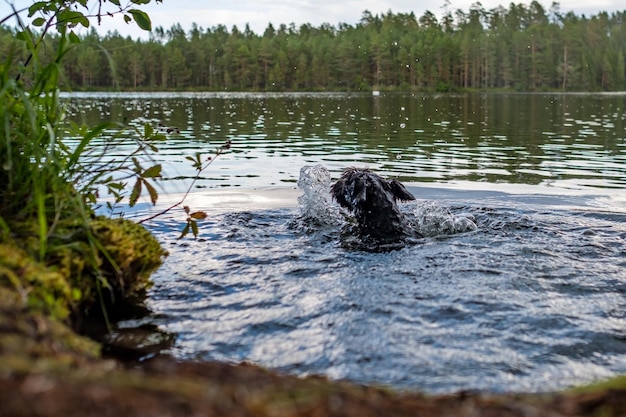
x: 533, y: 300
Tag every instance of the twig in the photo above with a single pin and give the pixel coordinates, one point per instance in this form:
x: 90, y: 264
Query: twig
x: 218, y: 152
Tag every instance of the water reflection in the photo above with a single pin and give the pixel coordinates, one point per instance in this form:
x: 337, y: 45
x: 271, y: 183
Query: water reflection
x: 566, y: 140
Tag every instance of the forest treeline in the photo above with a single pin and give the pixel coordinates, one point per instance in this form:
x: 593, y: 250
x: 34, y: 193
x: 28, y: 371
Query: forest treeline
x: 524, y: 47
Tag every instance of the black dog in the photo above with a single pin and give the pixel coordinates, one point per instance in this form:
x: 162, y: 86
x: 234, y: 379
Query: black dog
x: 372, y: 199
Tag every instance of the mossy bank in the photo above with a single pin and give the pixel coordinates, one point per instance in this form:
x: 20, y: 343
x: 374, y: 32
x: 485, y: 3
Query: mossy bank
x: 89, y: 265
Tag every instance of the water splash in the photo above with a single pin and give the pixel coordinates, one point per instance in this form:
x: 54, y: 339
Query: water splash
x: 317, y: 209
x: 316, y: 205
x: 431, y: 219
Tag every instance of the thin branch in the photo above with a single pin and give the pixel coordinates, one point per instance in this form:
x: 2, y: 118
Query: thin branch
x: 218, y: 152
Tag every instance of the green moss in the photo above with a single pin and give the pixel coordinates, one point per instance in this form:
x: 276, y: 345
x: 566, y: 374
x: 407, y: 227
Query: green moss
x: 37, y: 298
x: 82, y: 262
x: 35, y: 285
x: 32, y: 341
x: 617, y: 383
x: 130, y: 254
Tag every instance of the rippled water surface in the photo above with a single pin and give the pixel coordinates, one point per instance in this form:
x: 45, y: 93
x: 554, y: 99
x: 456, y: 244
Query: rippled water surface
x: 532, y: 300
x: 565, y: 140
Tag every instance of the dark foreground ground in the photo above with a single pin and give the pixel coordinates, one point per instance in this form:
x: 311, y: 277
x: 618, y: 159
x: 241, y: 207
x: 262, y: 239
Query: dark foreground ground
x: 165, y: 387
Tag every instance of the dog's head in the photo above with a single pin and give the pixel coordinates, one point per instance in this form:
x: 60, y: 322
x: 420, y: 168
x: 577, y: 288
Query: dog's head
x: 358, y: 188
x: 372, y: 199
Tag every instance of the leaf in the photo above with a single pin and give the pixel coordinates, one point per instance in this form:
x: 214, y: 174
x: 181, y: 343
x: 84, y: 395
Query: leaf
x: 152, y: 172
x: 198, y: 215
x: 185, y: 231
x: 36, y: 7
x: 197, y: 161
x: 127, y: 18
x: 116, y: 185
x: 21, y: 36
x: 158, y: 136
x: 73, y: 18
x: 115, y: 2
x: 74, y: 38
x: 87, y: 136
x: 134, y: 195
x: 140, y: 1
x: 148, y: 130
x: 138, y: 168
x: 154, y: 195
x: 194, y: 228
x: 40, y: 21
x: 142, y: 19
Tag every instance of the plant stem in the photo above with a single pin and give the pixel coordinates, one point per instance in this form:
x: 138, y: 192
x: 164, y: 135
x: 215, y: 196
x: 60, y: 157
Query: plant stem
x: 218, y: 152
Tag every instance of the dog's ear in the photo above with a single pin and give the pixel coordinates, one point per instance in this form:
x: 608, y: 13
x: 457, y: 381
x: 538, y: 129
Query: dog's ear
x: 338, y: 190
x: 399, y: 191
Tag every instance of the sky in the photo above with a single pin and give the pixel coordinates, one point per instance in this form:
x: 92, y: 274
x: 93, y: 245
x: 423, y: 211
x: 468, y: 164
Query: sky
x: 259, y: 13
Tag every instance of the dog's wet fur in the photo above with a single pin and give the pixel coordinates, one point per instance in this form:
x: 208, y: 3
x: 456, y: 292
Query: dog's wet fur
x: 380, y: 224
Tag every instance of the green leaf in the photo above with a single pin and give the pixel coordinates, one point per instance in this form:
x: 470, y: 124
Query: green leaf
x: 127, y: 18
x: 21, y: 36
x: 138, y: 168
x: 185, y: 231
x: 152, y: 172
x: 148, y: 130
x: 72, y: 18
x: 115, y: 2
x: 36, y: 7
x: 116, y: 186
x: 154, y: 195
x: 142, y: 19
x: 73, y: 37
x: 140, y: 1
x: 194, y: 228
x: 134, y: 195
x: 87, y: 136
x: 40, y: 21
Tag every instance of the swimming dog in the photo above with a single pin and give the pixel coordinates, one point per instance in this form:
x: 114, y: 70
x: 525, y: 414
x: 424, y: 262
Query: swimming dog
x: 373, y: 200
